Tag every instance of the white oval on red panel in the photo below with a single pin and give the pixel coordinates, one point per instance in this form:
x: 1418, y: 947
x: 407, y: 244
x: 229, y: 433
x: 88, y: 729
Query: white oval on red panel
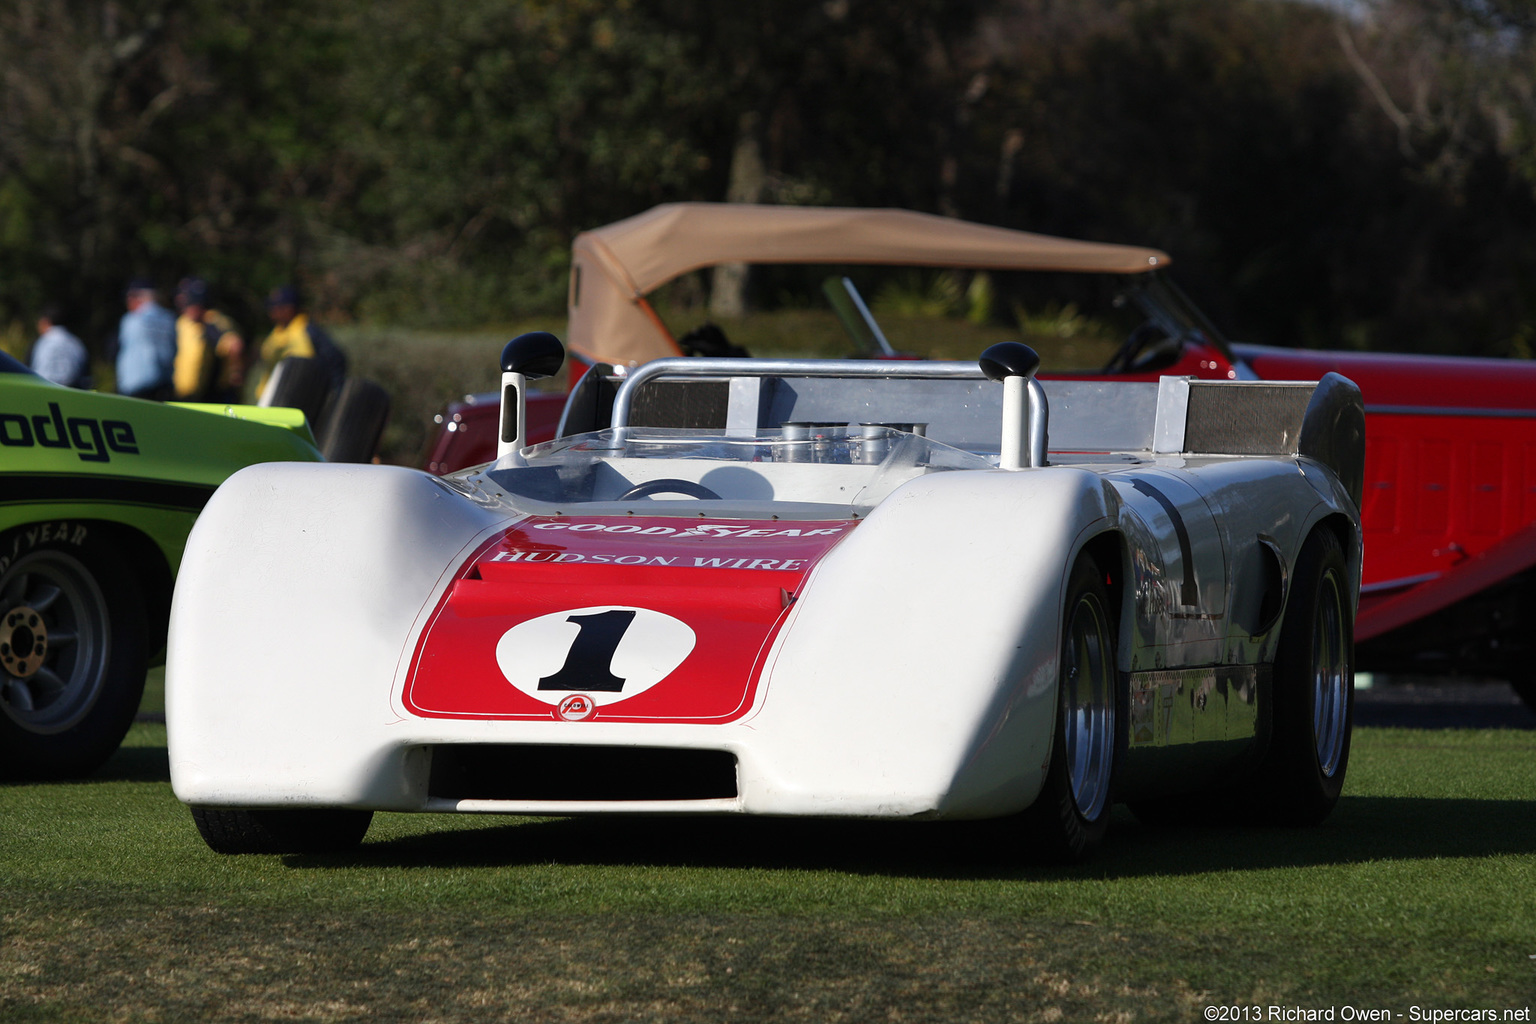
x: 607, y: 653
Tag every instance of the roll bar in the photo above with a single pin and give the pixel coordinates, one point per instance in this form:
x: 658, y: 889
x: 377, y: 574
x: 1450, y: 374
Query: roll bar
x: 1029, y: 424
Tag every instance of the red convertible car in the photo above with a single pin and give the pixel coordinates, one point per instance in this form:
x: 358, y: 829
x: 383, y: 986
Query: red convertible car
x: 1449, y: 507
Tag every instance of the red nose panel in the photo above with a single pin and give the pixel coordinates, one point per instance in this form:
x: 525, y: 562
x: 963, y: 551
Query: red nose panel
x: 627, y: 619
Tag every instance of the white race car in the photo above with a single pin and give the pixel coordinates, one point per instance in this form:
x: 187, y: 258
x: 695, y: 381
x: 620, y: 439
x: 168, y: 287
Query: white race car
x: 789, y: 587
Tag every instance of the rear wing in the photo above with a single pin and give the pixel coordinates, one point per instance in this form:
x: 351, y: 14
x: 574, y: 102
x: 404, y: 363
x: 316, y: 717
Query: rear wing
x: 1324, y: 421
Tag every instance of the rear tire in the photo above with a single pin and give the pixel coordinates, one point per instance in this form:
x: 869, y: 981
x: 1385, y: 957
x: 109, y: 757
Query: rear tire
x: 1067, y: 821
x: 1314, y: 694
x: 298, y: 383
x: 300, y: 830
x: 354, y: 421
x: 72, y: 651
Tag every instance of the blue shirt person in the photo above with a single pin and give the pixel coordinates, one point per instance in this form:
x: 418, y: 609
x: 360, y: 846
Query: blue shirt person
x: 146, y: 345
x: 58, y: 355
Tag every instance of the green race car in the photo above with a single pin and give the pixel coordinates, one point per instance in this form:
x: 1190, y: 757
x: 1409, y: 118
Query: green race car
x: 97, y: 495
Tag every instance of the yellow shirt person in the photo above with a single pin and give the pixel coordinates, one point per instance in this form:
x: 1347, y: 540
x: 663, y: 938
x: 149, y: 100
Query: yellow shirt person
x: 210, y: 354
x: 294, y: 335
x: 290, y: 339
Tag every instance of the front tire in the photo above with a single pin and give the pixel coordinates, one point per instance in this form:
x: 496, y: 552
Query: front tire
x: 1068, y: 819
x: 72, y: 652
x: 300, y: 830
x: 1314, y: 693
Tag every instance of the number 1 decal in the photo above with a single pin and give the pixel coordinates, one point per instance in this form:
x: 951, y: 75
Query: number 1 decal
x: 606, y: 654
x: 589, y: 662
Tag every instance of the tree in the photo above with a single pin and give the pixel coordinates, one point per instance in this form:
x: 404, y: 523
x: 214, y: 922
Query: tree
x: 847, y: 101
x: 155, y: 138
x: 1237, y: 135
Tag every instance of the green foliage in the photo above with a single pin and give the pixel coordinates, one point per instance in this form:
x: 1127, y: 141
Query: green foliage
x: 1240, y: 138
x: 980, y: 299
x: 1059, y: 321
x: 490, y: 133
x: 1365, y: 179
x: 948, y: 293
x: 16, y: 339
x: 916, y: 293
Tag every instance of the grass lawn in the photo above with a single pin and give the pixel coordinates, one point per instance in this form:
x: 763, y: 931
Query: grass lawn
x: 1420, y: 890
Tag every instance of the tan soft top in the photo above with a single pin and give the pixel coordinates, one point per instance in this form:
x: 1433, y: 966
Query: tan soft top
x: 613, y: 268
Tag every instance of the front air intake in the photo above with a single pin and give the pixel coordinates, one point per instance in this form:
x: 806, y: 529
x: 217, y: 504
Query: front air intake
x: 483, y: 771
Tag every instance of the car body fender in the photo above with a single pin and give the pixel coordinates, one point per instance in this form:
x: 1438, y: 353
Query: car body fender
x: 912, y: 649
x: 70, y: 455
x: 332, y: 564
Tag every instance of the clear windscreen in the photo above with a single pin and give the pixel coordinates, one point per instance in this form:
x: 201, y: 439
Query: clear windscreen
x: 855, y: 466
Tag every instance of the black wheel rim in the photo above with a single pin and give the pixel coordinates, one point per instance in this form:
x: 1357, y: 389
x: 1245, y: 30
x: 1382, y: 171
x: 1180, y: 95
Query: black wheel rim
x: 49, y: 595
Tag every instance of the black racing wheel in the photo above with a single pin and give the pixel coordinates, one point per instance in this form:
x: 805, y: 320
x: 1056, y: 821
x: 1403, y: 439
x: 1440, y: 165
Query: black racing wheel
x: 295, y: 830
x: 1067, y: 821
x: 668, y: 485
x: 72, y: 651
x: 1303, y: 773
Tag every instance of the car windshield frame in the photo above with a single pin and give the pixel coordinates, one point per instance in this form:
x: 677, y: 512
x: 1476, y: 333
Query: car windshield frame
x: 875, y: 460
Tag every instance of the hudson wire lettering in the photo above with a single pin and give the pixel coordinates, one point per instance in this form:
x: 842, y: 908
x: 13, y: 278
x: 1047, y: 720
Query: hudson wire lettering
x: 694, y: 562
x: 702, y: 530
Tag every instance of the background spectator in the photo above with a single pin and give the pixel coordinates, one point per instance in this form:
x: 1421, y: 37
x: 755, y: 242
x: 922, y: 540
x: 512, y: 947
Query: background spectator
x: 57, y: 354
x: 294, y: 335
x: 146, y: 345
x: 210, y: 353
